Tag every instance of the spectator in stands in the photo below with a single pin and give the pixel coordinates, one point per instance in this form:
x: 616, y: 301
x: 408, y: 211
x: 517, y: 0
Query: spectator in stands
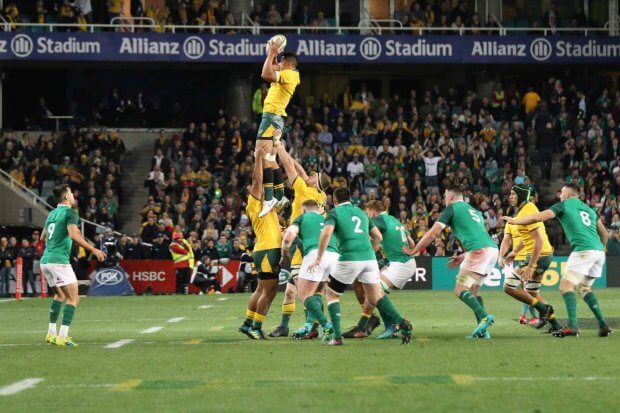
x: 159, y: 249
x: 28, y: 254
x: 551, y: 18
x: 6, y: 263
x: 135, y: 250
x: 115, y: 9
x: 303, y: 17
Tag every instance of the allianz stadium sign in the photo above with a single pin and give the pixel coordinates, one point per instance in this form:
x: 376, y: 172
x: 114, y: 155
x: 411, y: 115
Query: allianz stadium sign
x: 155, y: 47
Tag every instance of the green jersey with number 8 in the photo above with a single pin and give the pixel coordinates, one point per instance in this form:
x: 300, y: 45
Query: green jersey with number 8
x: 351, y: 228
x: 467, y: 223
x: 57, y: 241
x: 579, y: 223
x: 394, y: 237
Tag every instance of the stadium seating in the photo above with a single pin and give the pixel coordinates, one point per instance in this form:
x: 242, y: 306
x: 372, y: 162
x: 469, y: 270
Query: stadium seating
x: 486, y: 157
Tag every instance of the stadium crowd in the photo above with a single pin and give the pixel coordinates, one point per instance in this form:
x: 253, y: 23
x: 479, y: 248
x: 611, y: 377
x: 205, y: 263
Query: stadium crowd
x: 402, y: 150
x: 89, y: 160
x: 415, y: 14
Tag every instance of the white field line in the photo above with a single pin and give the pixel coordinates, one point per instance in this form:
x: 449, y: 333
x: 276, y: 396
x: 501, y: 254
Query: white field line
x: 120, y: 343
x: 175, y: 319
x: 205, y: 306
x: 151, y: 330
x: 222, y: 299
x: 13, y: 299
x: 564, y: 378
x: 19, y: 386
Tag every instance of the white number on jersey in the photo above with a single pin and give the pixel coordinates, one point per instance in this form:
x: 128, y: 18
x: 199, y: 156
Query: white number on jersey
x: 585, y: 218
x: 474, y: 215
x: 50, y: 230
x: 358, y: 222
x: 403, y: 233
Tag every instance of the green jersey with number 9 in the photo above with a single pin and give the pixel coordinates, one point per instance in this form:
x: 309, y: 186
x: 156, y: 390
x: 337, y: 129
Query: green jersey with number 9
x: 579, y: 223
x: 57, y: 241
x: 394, y: 237
x: 351, y: 228
x: 467, y: 223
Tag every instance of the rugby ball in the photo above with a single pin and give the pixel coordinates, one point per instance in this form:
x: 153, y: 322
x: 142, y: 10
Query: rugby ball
x: 280, y: 40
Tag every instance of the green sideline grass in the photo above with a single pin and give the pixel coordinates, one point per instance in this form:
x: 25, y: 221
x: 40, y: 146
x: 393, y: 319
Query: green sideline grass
x: 202, y: 364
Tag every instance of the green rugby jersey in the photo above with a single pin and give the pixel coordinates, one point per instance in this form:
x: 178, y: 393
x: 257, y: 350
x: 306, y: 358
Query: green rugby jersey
x: 310, y: 226
x: 467, y: 223
x: 394, y: 237
x: 579, y: 223
x: 351, y: 228
x: 57, y: 241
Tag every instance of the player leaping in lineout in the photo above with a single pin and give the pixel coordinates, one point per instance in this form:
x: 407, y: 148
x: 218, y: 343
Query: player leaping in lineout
x: 587, y: 237
x: 480, y: 257
x: 284, y: 78
x: 61, y: 228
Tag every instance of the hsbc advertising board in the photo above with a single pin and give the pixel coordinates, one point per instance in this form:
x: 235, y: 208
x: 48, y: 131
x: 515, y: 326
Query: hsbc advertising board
x: 207, y: 48
x: 158, y: 276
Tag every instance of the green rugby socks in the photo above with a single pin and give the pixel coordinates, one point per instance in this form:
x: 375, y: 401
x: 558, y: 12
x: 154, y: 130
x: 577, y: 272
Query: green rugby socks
x: 571, y: 308
x: 472, y: 302
x: 592, y: 302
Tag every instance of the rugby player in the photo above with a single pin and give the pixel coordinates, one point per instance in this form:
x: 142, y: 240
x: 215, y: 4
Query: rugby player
x: 308, y: 227
x: 401, y: 267
x: 353, y: 230
x: 266, y: 255
x: 284, y: 78
x: 539, y: 254
x: 305, y: 188
x: 587, y: 236
x: 467, y: 224
x: 61, y: 228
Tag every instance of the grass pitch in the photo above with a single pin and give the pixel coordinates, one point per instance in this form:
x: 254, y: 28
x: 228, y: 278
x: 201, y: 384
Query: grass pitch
x: 196, y: 361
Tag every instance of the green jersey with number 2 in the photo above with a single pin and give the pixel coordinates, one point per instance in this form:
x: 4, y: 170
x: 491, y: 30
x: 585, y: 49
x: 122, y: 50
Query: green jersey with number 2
x: 394, y: 237
x: 57, y: 241
x: 467, y: 223
x: 351, y: 228
x: 579, y: 223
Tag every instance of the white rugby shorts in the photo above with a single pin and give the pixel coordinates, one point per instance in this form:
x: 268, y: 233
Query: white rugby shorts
x: 322, y: 271
x: 400, y: 272
x: 480, y: 261
x: 58, y: 275
x: 366, y: 272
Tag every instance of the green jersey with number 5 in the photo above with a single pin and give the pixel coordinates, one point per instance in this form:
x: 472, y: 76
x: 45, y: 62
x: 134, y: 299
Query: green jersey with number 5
x: 467, y: 223
x: 57, y: 241
x: 579, y: 223
x: 394, y: 237
x: 351, y: 228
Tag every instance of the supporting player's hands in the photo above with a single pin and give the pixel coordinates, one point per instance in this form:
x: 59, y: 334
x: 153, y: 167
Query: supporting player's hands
x: 259, y: 152
x: 508, y: 219
x: 527, y: 274
x: 455, y: 260
x: 100, y: 255
x: 277, y: 134
x: 407, y: 250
